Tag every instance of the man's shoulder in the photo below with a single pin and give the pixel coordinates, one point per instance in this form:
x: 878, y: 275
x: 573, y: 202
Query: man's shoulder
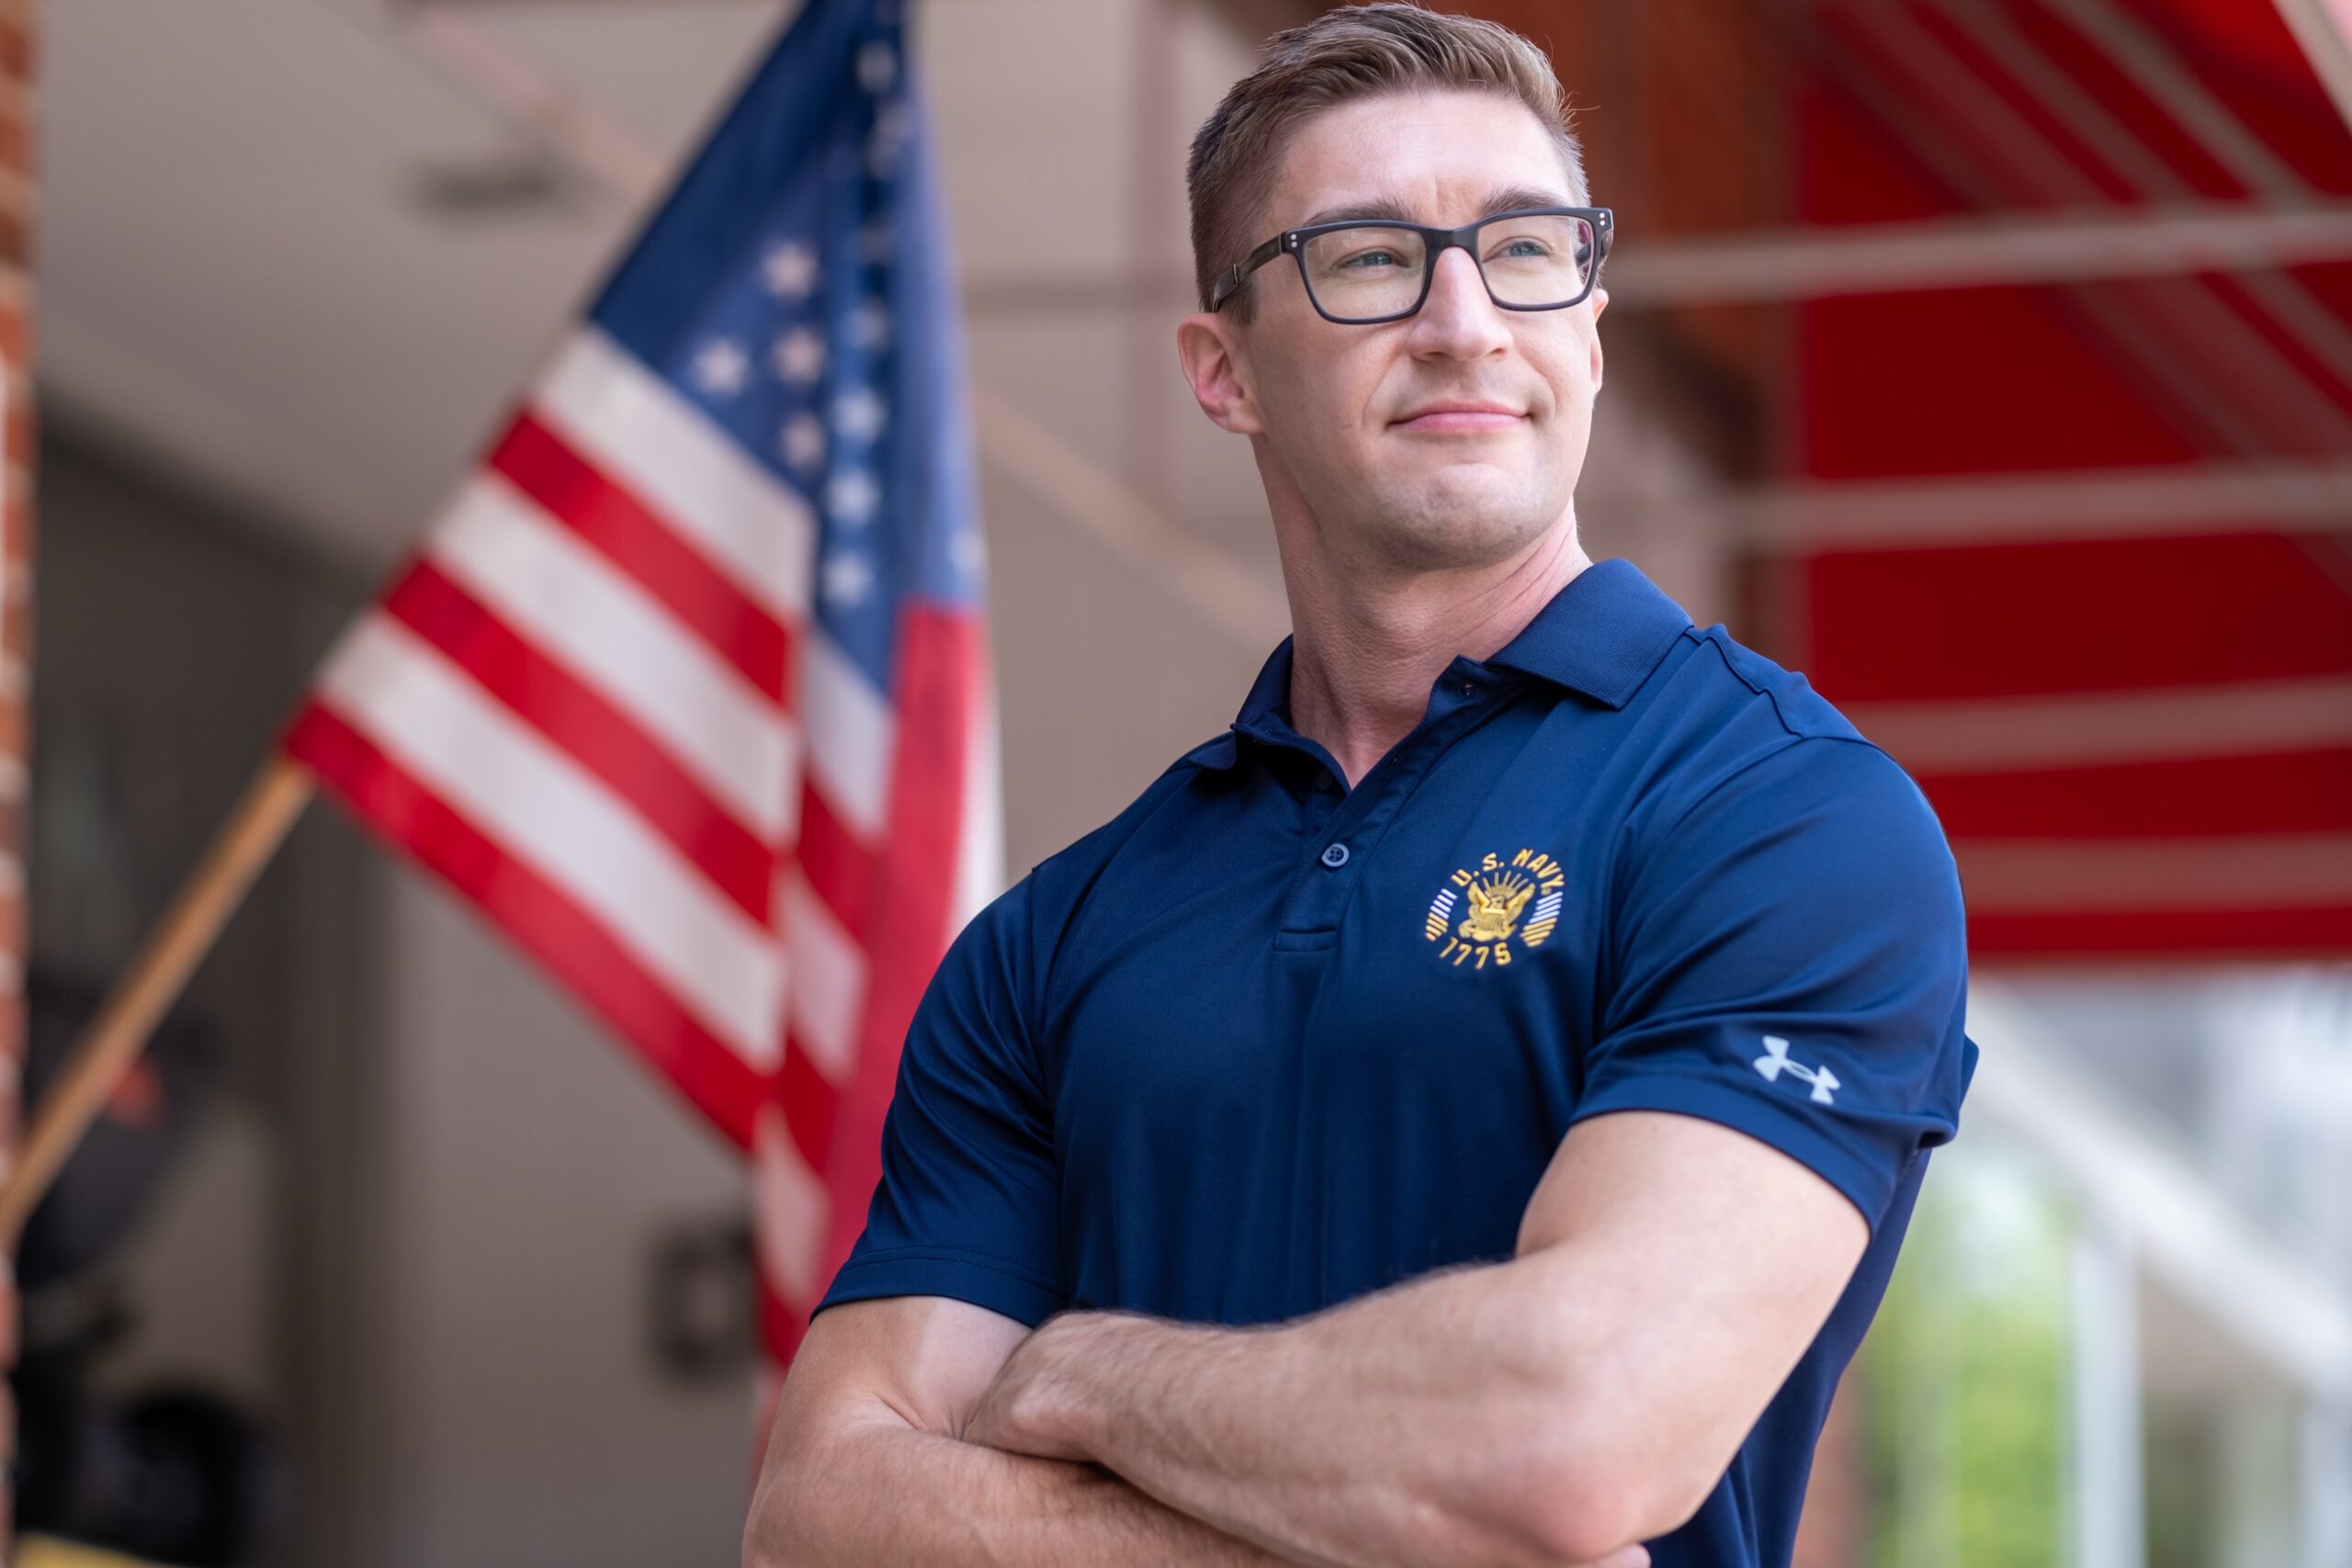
x: 1729, y: 723
x: 1745, y: 688
x: 1756, y: 792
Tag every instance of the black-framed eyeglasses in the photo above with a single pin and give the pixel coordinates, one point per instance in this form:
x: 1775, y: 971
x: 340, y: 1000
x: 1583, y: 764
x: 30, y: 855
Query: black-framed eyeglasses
x: 1362, y: 271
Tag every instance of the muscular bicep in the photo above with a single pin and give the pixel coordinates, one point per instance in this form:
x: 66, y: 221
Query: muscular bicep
x: 1698, y: 1263
x: 1685, y: 1190
x: 921, y: 1361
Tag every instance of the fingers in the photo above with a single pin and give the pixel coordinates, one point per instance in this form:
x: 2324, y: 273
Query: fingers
x: 1624, y: 1557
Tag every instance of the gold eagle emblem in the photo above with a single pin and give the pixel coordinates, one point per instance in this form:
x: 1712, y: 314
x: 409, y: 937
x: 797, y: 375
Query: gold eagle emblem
x: 1495, y: 905
x: 1476, y: 913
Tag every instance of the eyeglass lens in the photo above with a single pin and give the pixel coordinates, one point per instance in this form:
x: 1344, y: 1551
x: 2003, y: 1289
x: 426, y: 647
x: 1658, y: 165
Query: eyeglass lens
x: 1359, y: 273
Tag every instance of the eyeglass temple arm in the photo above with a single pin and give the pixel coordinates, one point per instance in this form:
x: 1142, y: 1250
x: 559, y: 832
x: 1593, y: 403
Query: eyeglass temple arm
x: 1232, y: 277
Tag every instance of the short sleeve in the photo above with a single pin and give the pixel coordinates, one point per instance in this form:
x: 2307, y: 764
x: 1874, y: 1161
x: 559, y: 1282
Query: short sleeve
x: 1790, y: 959
x: 967, y: 1203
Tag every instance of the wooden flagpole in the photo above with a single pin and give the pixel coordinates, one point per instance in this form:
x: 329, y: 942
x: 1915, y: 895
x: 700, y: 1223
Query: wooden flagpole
x: 137, y: 1003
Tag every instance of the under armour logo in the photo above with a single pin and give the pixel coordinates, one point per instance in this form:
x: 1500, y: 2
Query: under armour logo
x: 1775, y: 1061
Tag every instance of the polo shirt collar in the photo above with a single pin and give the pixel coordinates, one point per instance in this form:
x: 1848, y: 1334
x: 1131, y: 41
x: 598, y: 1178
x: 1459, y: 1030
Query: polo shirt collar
x: 1263, y: 712
x: 1601, y: 634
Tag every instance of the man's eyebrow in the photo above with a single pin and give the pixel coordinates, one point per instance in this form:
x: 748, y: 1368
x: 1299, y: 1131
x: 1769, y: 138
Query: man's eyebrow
x: 1507, y: 199
x: 1510, y: 198
x: 1349, y: 211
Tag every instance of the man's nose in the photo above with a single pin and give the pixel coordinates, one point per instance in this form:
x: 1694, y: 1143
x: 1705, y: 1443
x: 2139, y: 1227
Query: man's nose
x: 1458, y: 318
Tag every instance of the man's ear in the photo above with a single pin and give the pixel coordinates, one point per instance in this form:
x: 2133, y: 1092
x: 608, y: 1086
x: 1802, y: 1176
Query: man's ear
x: 1208, y: 348
x: 1600, y: 303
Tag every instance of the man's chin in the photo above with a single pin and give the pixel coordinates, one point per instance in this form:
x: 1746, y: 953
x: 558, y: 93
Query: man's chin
x: 1466, y: 491
x: 1458, y: 529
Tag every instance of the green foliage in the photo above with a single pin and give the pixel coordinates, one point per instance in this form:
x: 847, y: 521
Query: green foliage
x: 1962, y: 1381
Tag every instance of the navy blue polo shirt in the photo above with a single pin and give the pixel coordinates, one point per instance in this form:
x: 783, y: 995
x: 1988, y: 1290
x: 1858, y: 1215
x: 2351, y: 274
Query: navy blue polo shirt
x: 1265, y: 1042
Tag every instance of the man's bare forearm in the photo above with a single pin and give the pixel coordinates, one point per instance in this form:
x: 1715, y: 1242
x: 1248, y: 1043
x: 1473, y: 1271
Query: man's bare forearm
x: 1429, y: 1425
x: 882, y: 1491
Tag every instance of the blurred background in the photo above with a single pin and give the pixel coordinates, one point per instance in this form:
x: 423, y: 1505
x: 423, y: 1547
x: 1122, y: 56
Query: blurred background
x: 1990, y: 360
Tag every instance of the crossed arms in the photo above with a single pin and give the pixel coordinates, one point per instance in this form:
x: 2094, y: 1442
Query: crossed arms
x: 1553, y: 1409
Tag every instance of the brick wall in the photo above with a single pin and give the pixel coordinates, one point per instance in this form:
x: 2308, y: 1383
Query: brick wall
x: 16, y: 439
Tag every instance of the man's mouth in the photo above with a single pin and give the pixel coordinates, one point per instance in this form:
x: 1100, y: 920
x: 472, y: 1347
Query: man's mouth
x: 1462, y: 417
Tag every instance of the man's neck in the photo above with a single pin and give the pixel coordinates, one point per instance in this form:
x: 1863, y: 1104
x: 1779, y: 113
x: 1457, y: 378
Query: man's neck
x: 1364, y: 653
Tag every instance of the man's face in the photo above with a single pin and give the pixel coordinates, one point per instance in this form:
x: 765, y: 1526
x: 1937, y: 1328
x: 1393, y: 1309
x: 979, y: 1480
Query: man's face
x: 1352, y: 423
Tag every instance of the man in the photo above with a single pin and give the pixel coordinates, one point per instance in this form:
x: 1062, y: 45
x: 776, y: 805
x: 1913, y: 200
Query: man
x: 1466, y: 1113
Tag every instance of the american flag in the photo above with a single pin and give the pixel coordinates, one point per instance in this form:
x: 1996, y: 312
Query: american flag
x: 686, y: 689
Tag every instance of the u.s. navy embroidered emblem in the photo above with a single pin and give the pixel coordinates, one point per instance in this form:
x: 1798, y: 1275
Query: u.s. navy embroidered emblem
x: 1478, y: 913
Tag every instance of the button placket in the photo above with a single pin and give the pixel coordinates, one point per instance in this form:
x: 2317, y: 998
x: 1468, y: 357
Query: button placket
x: 1313, y: 907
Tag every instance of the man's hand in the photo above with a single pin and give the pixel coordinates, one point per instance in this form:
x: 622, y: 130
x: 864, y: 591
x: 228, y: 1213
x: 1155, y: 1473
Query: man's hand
x: 1016, y: 1413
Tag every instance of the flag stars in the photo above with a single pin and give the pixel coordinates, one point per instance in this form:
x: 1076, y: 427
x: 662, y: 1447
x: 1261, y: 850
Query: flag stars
x: 803, y: 441
x: 789, y: 270
x: 846, y: 580
x: 850, y: 496
x: 893, y: 127
x: 869, y: 324
x: 874, y: 240
x: 800, y: 355
x: 720, y: 367
x: 877, y: 66
x: 858, y: 415
x: 967, y: 551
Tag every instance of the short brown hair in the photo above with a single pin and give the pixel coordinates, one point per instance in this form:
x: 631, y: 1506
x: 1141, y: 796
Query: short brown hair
x: 1354, y: 51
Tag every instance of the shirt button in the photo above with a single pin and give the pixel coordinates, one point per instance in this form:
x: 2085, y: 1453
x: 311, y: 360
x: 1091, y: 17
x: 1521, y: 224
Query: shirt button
x: 1323, y: 779
x: 1469, y: 688
x: 1335, y: 855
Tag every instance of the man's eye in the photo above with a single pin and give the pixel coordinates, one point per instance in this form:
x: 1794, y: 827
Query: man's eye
x: 1367, y: 261
x: 1523, y: 250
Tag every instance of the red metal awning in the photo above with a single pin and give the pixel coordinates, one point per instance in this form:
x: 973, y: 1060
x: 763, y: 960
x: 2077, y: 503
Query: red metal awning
x: 2134, y: 714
